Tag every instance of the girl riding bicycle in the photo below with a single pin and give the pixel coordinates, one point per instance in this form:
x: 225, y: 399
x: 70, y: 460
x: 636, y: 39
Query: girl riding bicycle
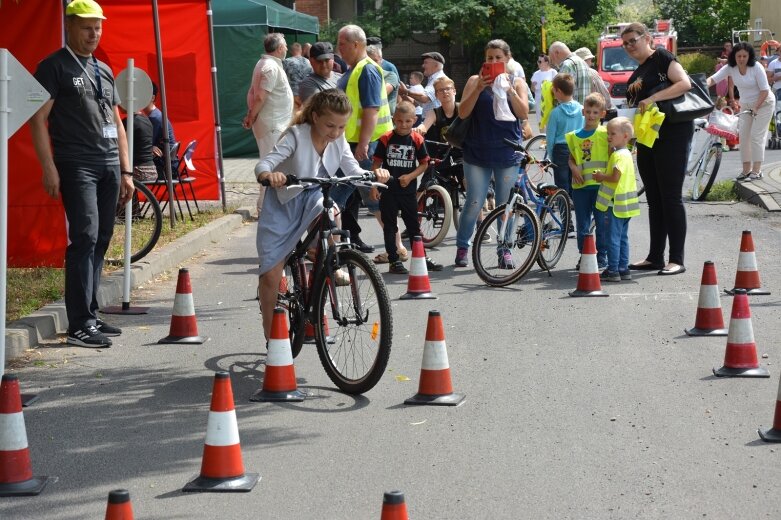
x: 313, y: 145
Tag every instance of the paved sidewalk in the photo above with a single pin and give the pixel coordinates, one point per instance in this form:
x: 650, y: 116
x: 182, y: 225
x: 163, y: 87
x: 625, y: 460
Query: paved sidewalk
x: 765, y: 192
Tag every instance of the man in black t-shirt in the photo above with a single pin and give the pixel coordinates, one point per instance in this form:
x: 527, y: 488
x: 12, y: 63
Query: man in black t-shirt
x: 82, y: 148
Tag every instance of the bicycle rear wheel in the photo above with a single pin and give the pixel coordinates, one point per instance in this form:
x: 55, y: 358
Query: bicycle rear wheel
x: 521, y: 240
x: 146, y: 225
x: 706, y: 173
x: 554, y: 222
x: 290, y: 298
x: 353, y: 324
x: 435, y: 212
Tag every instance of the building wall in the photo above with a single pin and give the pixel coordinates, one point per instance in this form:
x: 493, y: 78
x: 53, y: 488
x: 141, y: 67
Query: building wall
x: 317, y: 8
x: 766, y: 14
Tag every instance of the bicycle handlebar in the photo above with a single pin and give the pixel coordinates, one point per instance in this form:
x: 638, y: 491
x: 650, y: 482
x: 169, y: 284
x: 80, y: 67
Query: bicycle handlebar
x: 367, y: 178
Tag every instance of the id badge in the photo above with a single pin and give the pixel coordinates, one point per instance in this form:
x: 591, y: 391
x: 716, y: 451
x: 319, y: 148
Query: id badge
x: 110, y: 131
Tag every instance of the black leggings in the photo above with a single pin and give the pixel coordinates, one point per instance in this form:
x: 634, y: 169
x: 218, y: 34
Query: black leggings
x: 663, y: 169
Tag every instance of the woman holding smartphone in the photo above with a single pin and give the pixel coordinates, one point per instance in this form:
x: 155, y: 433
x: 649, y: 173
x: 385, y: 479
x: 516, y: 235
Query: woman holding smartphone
x: 486, y: 156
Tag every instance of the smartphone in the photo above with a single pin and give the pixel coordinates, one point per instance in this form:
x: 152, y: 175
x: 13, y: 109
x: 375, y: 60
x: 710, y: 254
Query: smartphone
x: 491, y: 70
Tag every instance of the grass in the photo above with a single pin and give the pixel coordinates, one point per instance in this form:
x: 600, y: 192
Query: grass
x: 723, y: 191
x: 29, y: 289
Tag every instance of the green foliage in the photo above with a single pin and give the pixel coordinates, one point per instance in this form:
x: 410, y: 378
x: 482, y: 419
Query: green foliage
x: 697, y: 62
x: 705, y: 22
x: 637, y: 11
x: 723, y: 191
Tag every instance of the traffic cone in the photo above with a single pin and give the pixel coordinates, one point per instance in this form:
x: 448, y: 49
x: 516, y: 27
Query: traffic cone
x: 222, y: 469
x: 435, y: 386
x: 740, y: 360
x: 184, y: 328
x: 747, y: 275
x: 16, y: 470
x: 418, y: 285
x: 589, y: 283
x: 119, y: 507
x: 279, y: 382
x: 393, y: 506
x: 709, y: 320
x: 774, y: 433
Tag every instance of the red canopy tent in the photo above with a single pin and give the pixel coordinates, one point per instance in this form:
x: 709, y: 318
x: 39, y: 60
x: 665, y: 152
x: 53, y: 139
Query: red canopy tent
x: 32, y: 30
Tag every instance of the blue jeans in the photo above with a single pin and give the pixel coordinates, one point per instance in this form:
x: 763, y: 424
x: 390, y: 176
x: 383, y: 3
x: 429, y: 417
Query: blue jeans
x: 477, y: 179
x: 584, y: 199
x: 617, y: 242
x: 561, y: 174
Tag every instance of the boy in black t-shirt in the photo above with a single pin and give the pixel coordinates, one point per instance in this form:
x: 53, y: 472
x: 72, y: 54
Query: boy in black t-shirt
x: 403, y: 153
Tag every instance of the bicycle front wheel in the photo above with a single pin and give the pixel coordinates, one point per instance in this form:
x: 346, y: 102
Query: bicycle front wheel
x: 537, y: 148
x: 554, y: 222
x: 511, y: 256
x: 146, y: 225
x: 435, y: 212
x: 706, y: 173
x: 353, y: 324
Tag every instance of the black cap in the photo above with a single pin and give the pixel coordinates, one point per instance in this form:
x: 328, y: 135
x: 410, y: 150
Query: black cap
x: 374, y: 40
x: 321, y: 51
x: 434, y: 56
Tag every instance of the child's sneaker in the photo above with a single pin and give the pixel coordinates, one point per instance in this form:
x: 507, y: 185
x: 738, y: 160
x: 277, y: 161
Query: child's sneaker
x: 461, y: 257
x: 625, y: 275
x: 397, y: 268
x: 431, y: 265
x: 610, y: 276
x: 506, y: 260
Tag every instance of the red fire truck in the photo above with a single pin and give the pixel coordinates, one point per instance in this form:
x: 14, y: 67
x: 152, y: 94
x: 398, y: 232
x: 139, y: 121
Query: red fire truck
x: 614, y: 64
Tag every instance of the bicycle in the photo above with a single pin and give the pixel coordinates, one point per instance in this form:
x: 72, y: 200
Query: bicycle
x: 441, y: 195
x: 532, y: 226
x: 146, y: 226
x: 355, y: 343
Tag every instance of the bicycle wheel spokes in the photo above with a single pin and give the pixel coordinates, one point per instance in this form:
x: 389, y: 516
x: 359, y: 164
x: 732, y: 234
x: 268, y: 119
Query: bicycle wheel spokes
x: 508, y: 257
x: 554, y: 225
x: 354, y: 327
x: 706, y: 173
x: 435, y: 212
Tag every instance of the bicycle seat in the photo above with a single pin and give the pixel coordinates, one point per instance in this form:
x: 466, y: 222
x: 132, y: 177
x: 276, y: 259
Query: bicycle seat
x: 543, y: 189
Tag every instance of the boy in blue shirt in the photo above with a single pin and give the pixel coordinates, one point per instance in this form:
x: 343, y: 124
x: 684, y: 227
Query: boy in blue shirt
x: 566, y: 117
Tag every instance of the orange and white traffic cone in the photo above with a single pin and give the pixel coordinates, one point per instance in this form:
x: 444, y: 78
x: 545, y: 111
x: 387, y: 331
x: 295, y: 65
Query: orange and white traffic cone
x: 418, y: 285
x: 435, y: 387
x: 222, y: 469
x: 279, y: 381
x: 184, y: 327
x: 747, y: 275
x: 589, y: 283
x: 393, y: 506
x: 740, y: 359
x: 119, y: 507
x: 16, y: 470
x: 709, y: 320
x: 773, y: 434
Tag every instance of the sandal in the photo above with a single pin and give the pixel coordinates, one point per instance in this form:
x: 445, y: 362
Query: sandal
x: 382, y: 258
x: 403, y: 254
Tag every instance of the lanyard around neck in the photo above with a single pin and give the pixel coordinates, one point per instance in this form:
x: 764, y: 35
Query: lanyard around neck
x: 96, y: 82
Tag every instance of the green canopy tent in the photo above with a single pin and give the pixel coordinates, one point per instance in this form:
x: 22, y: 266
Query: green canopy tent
x: 239, y: 28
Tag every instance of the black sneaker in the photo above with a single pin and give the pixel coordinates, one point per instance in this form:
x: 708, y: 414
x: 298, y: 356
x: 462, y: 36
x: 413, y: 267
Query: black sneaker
x: 88, y: 336
x: 397, y: 268
x: 106, y: 329
x: 431, y: 265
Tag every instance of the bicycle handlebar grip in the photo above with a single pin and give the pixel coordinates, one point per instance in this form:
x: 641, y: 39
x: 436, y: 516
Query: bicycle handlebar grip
x: 518, y: 147
x: 289, y: 181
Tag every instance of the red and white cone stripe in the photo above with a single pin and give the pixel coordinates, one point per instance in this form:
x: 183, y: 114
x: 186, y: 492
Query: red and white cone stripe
x: 280, y: 373
x: 435, y: 385
x: 589, y: 283
x: 774, y: 433
x: 740, y: 358
x: 418, y: 284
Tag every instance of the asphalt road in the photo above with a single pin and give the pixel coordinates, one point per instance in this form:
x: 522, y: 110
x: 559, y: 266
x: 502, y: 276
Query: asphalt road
x: 575, y: 408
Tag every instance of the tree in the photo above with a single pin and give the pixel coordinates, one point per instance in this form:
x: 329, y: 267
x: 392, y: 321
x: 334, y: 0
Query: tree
x: 705, y: 22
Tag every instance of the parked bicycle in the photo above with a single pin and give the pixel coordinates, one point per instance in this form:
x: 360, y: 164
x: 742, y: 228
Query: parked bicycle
x: 532, y: 226
x: 146, y: 226
x: 441, y: 194
x: 351, y: 317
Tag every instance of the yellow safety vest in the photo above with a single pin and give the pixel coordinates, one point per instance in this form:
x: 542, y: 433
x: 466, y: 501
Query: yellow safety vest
x: 647, y: 125
x: 622, y: 194
x: 590, y: 153
x: 546, y: 106
x: 352, y: 131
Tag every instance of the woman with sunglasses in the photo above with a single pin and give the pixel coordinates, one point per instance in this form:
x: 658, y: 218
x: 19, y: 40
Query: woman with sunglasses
x: 663, y: 167
x: 544, y: 72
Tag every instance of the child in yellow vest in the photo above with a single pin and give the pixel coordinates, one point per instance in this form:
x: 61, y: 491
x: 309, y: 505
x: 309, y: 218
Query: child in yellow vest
x: 617, y: 198
x: 588, y: 152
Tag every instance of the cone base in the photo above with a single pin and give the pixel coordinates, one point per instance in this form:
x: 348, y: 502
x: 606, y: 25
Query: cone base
x: 418, y: 296
x: 264, y: 396
x: 741, y: 372
x: 579, y: 293
x: 182, y: 340
x: 27, y: 488
x: 771, y: 435
x: 121, y: 309
x: 240, y: 484
x: 437, y: 400
x: 705, y: 332
x: 751, y: 292
x: 29, y: 399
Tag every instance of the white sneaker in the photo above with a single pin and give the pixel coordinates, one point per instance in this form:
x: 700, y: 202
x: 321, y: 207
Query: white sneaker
x: 743, y: 176
x: 754, y: 176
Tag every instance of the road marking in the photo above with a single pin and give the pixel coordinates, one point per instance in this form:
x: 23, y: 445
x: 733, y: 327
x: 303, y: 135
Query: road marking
x: 660, y: 297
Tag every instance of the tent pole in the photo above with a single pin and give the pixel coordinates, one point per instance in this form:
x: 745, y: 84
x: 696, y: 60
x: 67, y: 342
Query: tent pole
x: 215, y: 101
x: 164, y: 104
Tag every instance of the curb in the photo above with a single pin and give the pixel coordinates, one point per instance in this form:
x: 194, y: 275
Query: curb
x: 50, y: 320
x: 760, y: 192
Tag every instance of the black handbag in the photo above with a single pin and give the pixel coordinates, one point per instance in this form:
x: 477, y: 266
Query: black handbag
x: 690, y: 105
x: 456, y: 132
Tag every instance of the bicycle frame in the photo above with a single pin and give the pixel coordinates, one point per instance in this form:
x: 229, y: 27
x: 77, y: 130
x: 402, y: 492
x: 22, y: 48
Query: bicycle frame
x: 696, y: 157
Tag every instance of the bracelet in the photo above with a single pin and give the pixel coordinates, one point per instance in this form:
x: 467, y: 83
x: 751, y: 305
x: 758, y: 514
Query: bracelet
x: 127, y: 173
